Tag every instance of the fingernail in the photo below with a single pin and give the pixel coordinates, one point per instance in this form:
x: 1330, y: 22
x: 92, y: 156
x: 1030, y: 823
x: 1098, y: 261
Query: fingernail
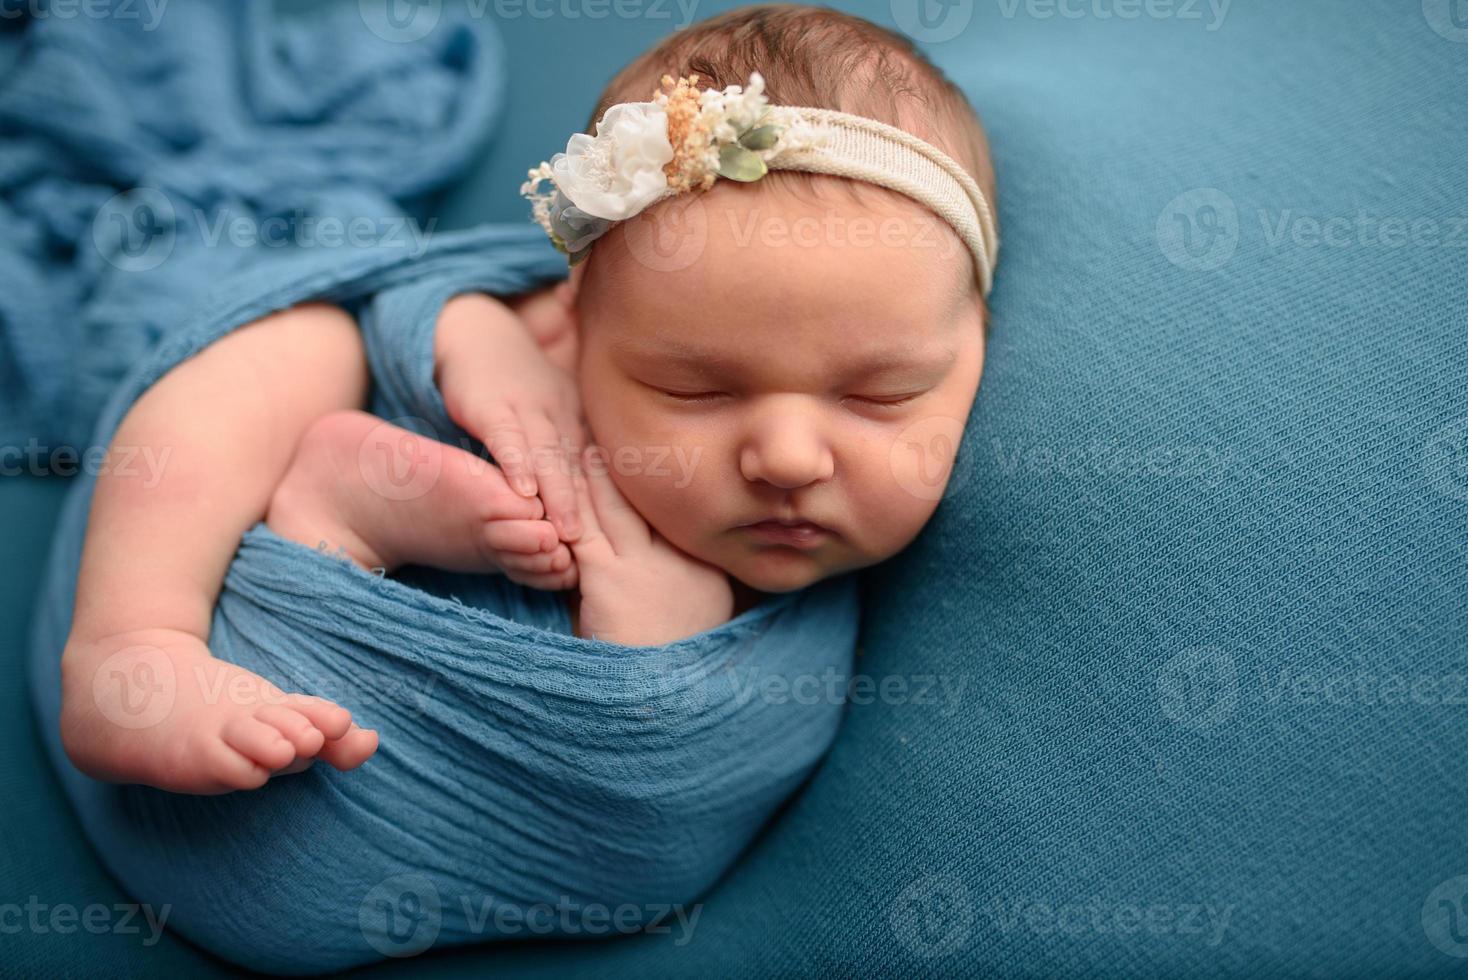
x: 525, y: 487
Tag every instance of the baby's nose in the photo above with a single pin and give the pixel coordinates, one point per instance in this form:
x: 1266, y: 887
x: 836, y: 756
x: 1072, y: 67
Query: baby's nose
x: 786, y: 452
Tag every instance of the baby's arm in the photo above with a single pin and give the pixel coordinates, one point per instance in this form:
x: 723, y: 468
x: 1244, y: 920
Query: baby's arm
x: 223, y: 425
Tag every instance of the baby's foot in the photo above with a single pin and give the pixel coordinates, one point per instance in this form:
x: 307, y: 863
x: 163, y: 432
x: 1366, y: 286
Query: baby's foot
x: 155, y: 707
x: 389, y: 497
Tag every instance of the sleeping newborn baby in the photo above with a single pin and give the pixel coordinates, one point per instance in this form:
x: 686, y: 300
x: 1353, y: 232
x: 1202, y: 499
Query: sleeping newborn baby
x: 746, y: 385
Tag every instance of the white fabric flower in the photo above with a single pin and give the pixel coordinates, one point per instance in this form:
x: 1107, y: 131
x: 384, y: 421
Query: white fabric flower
x: 619, y: 172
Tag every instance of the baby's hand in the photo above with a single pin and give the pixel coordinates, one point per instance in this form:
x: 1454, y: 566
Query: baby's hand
x: 637, y: 589
x: 499, y: 385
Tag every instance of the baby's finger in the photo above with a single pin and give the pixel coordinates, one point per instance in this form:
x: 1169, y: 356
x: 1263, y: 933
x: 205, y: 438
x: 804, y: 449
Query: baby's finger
x: 504, y: 437
x: 592, y: 535
x: 521, y: 537
x: 553, y: 475
x: 622, y: 525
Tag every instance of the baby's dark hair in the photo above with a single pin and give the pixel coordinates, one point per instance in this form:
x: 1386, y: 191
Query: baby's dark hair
x: 813, y: 55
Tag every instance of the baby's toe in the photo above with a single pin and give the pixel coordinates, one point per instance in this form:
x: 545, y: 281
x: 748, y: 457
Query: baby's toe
x: 233, y: 769
x: 545, y: 581
x: 305, y: 737
x: 555, y: 561
x: 259, y: 742
x: 300, y: 765
x: 351, y: 750
x: 332, y: 720
x: 520, y: 537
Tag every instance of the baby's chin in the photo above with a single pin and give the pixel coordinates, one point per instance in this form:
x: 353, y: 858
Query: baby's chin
x: 781, y: 569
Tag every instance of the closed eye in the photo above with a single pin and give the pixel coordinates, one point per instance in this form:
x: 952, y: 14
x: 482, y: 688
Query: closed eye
x: 896, y: 402
x: 691, y: 397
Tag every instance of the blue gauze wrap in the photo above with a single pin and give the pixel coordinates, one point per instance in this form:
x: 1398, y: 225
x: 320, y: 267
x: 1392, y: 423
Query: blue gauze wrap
x: 519, y: 767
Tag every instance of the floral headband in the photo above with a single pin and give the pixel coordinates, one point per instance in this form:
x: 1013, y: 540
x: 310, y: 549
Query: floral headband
x: 684, y: 139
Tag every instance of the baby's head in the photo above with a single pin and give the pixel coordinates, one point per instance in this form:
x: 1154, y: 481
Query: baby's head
x: 802, y: 347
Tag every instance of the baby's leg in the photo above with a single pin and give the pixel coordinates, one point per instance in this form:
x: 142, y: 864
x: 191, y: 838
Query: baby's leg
x: 220, y: 427
x: 389, y: 497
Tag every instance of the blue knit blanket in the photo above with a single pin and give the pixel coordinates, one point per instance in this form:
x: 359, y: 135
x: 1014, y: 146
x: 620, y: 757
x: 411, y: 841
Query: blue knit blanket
x: 529, y: 782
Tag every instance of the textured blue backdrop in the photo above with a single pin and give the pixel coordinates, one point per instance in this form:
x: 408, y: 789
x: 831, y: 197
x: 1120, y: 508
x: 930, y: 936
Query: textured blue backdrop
x: 1194, y: 613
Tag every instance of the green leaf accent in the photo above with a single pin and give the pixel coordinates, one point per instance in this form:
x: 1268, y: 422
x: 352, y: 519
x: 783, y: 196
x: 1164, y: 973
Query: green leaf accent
x: 760, y: 138
x: 737, y: 163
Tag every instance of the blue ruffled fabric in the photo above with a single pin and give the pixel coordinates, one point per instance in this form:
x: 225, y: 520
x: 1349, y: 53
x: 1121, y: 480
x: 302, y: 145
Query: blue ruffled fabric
x: 147, y: 149
x: 521, y: 768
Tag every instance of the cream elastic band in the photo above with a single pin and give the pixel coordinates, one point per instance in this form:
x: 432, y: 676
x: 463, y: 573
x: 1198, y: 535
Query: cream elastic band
x: 865, y: 149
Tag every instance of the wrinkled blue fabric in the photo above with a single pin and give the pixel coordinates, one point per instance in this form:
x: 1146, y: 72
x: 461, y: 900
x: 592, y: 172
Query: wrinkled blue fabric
x: 204, y: 117
x: 520, y: 767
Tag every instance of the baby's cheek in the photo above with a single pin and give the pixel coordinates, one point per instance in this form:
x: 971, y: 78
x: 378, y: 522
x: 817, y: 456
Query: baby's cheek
x: 897, y: 494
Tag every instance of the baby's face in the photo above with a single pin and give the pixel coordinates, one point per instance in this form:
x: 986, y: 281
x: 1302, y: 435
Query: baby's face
x: 823, y: 376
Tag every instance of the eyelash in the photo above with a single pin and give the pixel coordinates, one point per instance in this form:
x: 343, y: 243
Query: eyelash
x: 887, y: 402
x: 693, y: 399
x: 704, y: 397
